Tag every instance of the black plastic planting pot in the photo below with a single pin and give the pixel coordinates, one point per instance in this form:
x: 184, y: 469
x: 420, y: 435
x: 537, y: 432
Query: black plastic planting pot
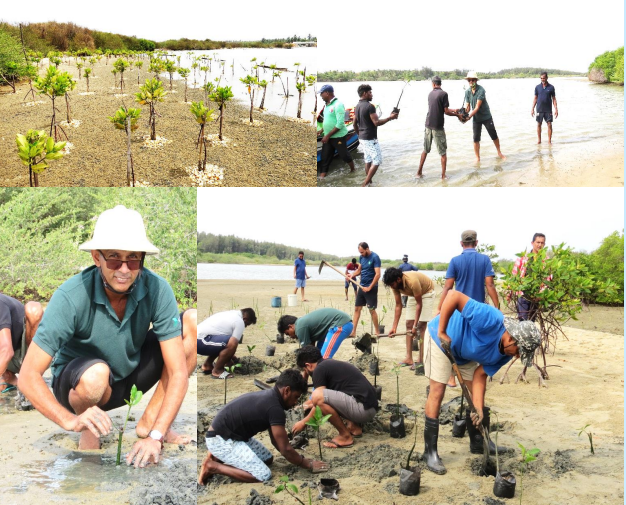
x: 410, y: 481
x: 504, y: 486
x: 381, y: 328
x: 396, y: 426
x: 270, y: 350
x: 374, y: 367
x: 414, y: 345
x: 459, y: 426
x: 280, y: 338
x: 419, y: 368
x: 379, y: 392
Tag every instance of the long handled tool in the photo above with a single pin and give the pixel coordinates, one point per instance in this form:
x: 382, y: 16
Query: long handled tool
x: 468, y: 396
x: 396, y: 109
x: 319, y: 271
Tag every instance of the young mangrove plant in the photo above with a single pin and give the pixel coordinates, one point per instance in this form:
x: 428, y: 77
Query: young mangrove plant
x: 311, y: 81
x: 202, y: 115
x: 155, y: 67
x: 221, y: 96
x: 184, y: 73
x: 35, y: 149
x: 80, y: 66
x: 250, y: 81
x: 301, y: 87
x: 316, y: 422
x: 589, y: 434
x: 292, y: 489
x: 127, y: 120
x: 170, y: 68
x: 114, y: 72
x: 229, y: 370
x: 208, y: 88
x: 138, y: 65
x: 87, y: 74
x: 10, y: 73
x: 121, y: 65
x: 149, y: 94
x: 250, y: 349
x: 262, y: 84
x: 528, y: 455
x: 53, y: 85
x: 70, y: 87
x: 135, y: 398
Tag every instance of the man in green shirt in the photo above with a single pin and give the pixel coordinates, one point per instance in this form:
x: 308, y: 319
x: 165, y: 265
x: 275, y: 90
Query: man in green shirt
x: 114, y: 325
x: 334, y: 131
x: 478, y: 109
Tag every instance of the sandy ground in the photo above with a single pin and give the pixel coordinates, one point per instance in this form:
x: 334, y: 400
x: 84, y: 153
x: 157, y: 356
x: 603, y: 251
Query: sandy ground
x: 585, y: 386
x: 276, y: 153
x: 41, y: 463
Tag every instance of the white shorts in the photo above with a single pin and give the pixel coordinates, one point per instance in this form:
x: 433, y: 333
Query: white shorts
x: 248, y: 456
x: 437, y: 366
x: 428, y: 304
x: 373, y: 154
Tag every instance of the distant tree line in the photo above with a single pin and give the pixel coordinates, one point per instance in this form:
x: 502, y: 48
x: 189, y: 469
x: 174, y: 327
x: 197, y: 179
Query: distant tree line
x: 608, y: 67
x: 213, y: 45
x: 426, y: 73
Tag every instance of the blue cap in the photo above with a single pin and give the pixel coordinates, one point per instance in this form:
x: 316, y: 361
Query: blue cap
x: 327, y: 87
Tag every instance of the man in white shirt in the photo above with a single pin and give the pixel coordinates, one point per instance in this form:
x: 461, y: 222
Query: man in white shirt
x: 218, y: 338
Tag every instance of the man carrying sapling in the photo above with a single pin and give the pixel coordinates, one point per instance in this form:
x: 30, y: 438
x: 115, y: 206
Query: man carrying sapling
x: 114, y: 325
x: 481, y: 340
x: 232, y: 449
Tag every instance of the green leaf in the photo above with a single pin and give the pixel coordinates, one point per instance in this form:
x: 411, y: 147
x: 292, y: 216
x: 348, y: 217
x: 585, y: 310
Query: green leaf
x: 325, y: 418
x: 292, y: 488
x: 279, y: 489
x: 285, y: 478
x: 54, y: 156
x: 49, y: 144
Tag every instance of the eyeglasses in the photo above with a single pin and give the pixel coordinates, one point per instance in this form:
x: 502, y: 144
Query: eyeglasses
x: 115, y: 264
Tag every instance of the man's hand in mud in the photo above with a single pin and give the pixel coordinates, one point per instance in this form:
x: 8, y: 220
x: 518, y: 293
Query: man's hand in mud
x: 93, y: 419
x: 144, y: 451
x: 298, y: 427
x: 477, y: 417
x: 319, y: 466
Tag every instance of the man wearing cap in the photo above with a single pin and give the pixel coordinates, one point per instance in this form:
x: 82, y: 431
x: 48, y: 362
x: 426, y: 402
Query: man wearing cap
x: 545, y: 96
x: 114, y: 325
x: 300, y: 275
x: 481, y: 340
x: 334, y: 131
x: 437, y: 108
x: 366, y: 123
x: 478, y: 109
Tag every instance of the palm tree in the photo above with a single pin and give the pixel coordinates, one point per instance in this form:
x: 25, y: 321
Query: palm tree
x: 149, y: 94
x: 127, y: 119
x: 221, y: 96
x: 250, y: 81
x: 202, y: 115
x: 184, y: 73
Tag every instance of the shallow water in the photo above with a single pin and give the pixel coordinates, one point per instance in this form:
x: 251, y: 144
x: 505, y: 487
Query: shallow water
x: 590, y: 115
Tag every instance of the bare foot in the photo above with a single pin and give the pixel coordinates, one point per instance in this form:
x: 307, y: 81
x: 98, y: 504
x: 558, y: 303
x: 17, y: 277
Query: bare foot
x: 171, y: 437
x: 355, y: 429
x: 444, y: 177
x: 339, y: 442
x: 502, y: 156
x: 419, y: 175
x: 88, y: 441
x: 539, y: 142
x: 207, y: 366
x: 209, y: 465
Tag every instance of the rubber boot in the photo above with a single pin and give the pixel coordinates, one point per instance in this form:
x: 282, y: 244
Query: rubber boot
x: 476, y: 439
x: 431, y: 433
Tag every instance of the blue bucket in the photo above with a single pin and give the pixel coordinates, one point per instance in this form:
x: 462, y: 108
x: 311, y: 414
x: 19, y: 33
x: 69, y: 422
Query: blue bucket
x: 277, y: 301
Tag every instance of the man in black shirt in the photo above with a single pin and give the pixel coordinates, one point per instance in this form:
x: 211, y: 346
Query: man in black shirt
x: 232, y: 450
x: 437, y: 107
x: 366, y: 124
x: 340, y: 390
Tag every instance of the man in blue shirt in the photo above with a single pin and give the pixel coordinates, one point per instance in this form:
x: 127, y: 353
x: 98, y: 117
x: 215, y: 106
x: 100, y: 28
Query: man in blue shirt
x: 369, y: 270
x: 481, y: 340
x: 545, y: 96
x: 300, y: 275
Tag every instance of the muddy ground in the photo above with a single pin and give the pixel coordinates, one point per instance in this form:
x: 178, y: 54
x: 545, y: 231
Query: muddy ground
x: 585, y: 386
x: 41, y: 463
x: 276, y: 153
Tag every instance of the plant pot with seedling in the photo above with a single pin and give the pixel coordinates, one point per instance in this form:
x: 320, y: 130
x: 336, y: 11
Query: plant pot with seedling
x: 396, y: 422
x: 229, y: 370
x: 316, y: 422
x: 504, y: 485
x: 135, y: 398
x: 270, y: 350
x: 250, y: 349
x: 280, y: 338
x: 459, y: 425
x: 528, y: 455
x: 410, y: 476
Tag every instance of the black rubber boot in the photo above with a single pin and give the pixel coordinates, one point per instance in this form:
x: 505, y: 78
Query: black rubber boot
x: 431, y: 433
x: 476, y: 439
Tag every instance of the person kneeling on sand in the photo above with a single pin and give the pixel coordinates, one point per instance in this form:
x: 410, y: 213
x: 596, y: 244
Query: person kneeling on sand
x: 219, y: 336
x: 326, y: 328
x: 341, y: 390
x: 232, y: 449
x: 114, y: 325
x: 481, y: 341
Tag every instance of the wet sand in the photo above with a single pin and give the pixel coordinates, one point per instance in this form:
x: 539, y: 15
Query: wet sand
x: 41, y: 463
x: 279, y: 152
x: 585, y: 386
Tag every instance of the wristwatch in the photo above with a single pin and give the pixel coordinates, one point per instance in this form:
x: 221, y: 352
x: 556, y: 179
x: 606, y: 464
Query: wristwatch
x: 157, y: 435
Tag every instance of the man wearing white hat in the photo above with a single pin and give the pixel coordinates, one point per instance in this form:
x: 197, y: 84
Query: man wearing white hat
x: 114, y: 325
x: 478, y: 109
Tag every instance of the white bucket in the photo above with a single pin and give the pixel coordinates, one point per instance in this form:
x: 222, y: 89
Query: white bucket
x: 292, y: 300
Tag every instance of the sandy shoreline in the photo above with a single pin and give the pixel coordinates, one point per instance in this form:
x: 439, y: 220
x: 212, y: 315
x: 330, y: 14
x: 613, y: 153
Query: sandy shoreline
x: 586, y: 386
x: 277, y: 153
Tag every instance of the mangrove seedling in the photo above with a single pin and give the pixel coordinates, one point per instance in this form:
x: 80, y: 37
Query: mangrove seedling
x: 184, y: 73
x: 53, y: 85
x: 250, y: 349
x: 396, y: 370
x: 79, y: 66
x: 138, y: 65
x: 135, y: 398
x: 528, y: 455
x: 114, y: 72
x: 589, y: 434
x: 35, y: 149
x: 250, y: 81
x: 316, y: 422
x: 10, y: 73
x: 121, y: 65
x: 301, y: 87
x: 263, y: 84
x: 170, y: 68
x: 408, y: 460
x: 149, y: 94
x: 291, y: 489
x: 202, y: 115
x: 208, y: 88
x: 229, y: 370
x: 127, y: 119
x: 221, y: 96
x: 87, y: 74
x: 155, y: 67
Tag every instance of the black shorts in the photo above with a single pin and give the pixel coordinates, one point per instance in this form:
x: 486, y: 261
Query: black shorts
x: 544, y: 116
x: 370, y: 298
x: 491, y: 129
x: 339, y: 144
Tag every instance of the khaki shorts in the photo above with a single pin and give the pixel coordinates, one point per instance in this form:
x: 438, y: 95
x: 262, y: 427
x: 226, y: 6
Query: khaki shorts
x: 18, y: 355
x: 437, y: 366
x: 428, y: 304
x: 347, y: 406
x: 440, y: 139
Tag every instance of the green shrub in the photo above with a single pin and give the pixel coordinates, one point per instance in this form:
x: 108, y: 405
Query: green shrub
x: 11, y: 57
x: 612, y: 64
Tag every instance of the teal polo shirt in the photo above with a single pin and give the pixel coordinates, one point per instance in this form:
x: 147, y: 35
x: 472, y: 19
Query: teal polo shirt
x: 80, y: 322
x: 483, y: 113
x: 315, y: 325
x: 334, y: 117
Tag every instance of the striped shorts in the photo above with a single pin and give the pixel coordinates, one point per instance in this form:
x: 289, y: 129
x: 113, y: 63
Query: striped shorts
x: 248, y: 456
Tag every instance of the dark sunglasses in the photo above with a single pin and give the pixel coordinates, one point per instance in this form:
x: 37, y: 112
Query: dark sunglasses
x: 115, y: 264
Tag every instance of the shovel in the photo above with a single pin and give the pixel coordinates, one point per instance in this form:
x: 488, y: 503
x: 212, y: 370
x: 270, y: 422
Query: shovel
x: 319, y: 271
x: 470, y: 404
x: 364, y: 342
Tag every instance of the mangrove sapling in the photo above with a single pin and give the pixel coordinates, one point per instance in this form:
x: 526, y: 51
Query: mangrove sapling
x: 79, y: 66
x: 396, y: 429
x: 250, y: 349
x: 87, y: 74
x: 135, y: 398
x: 149, y: 94
x: 202, y: 115
x: 138, y: 65
x: 170, y: 68
x: 263, y: 84
x: 121, y: 65
x: 206, y: 71
x: 229, y: 370
x: 10, y: 74
x: 249, y: 81
x: 35, y: 149
x: 53, y: 85
x: 528, y: 455
x: 316, y: 422
x: 291, y: 489
x: 184, y: 73
x: 208, y: 88
x: 127, y: 119
x: 301, y: 87
x: 589, y: 434
x: 221, y: 96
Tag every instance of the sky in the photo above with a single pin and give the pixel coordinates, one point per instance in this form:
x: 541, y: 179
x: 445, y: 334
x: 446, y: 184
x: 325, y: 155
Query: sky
x: 158, y: 21
x: 425, y: 223
x: 485, y: 36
